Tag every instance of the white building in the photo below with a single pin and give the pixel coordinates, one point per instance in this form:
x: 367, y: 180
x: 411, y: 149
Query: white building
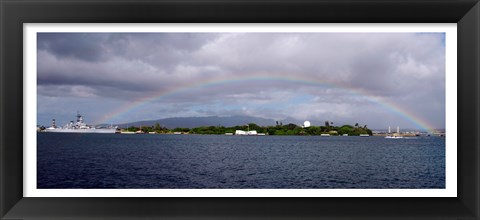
x: 240, y: 132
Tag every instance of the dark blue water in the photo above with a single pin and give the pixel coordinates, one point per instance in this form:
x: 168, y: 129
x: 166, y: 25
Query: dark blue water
x: 217, y: 161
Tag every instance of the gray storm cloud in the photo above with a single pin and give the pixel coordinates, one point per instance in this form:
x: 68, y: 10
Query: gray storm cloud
x: 108, y: 70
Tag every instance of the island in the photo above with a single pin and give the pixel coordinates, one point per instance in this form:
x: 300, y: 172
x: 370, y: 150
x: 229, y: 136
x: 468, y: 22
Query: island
x: 279, y: 129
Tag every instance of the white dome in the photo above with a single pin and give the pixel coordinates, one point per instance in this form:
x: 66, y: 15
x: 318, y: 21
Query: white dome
x: 306, y: 124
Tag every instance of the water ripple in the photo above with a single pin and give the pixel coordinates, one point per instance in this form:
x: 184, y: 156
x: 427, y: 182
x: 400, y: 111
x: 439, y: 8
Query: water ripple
x: 204, y: 161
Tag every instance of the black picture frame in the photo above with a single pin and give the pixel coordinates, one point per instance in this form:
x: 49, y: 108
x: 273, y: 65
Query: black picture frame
x: 466, y: 13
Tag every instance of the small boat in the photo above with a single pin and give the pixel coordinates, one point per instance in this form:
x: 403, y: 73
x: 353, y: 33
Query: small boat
x: 364, y: 135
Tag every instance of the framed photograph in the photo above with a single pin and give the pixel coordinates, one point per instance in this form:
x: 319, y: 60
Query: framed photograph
x: 207, y: 109
x: 278, y: 114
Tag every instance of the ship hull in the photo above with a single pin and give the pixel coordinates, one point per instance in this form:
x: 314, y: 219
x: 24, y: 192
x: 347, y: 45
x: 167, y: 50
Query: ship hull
x: 97, y: 131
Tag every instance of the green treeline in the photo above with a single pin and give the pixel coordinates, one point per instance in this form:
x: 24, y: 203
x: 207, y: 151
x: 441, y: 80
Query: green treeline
x: 279, y: 129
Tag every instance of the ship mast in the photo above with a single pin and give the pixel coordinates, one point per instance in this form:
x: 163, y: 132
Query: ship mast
x: 79, y: 118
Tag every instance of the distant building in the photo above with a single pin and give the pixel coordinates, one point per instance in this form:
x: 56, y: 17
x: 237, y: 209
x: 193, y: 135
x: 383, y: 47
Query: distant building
x: 240, y: 132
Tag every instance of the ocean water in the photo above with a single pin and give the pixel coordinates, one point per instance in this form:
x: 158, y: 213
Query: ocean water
x: 237, y: 162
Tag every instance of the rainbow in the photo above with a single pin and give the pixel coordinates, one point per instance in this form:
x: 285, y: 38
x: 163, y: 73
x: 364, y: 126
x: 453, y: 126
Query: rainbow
x: 250, y: 78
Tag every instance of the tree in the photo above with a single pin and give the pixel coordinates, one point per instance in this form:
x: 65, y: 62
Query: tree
x: 313, y: 130
x: 291, y: 126
x: 356, y: 124
x: 157, y: 127
x: 145, y: 129
x: 185, y: 130
x: 253, y: 126
x: 346, y: 129
x: 327, y: 126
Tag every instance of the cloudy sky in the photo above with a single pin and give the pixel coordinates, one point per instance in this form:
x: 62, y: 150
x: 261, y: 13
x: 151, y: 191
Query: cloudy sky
x: 377, y: 79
